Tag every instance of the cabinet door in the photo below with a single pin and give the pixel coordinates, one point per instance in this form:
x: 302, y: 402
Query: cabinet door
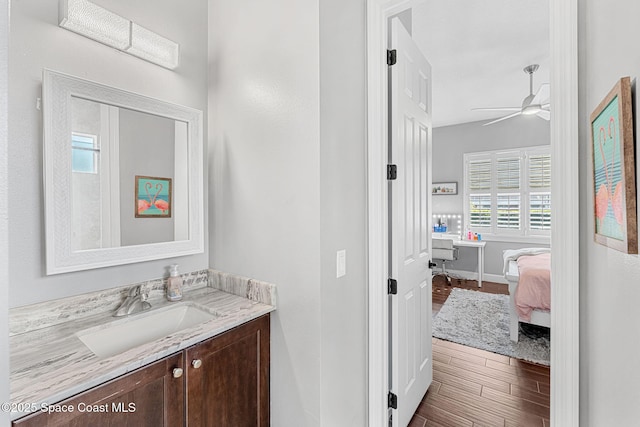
x: 228, y: 378
x: 149, y: 396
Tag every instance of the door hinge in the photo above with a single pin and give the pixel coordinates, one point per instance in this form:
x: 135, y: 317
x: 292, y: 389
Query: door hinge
x: 392, y: 401
x: 432, y: 264
x: 392, y: 286
x: 392, y: 171
x: 391, y: 57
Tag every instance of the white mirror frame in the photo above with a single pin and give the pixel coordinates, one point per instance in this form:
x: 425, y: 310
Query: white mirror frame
x: 57, y: 91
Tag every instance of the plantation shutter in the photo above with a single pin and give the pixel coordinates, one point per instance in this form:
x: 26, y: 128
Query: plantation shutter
x: 508, y: 211
x: 540, y: 195
x: 508, y: 198
x: 480, y: 210
x: 540, y: 171
x: 479, y: 175
x: 540, y: 211
x: 509, y: 174
x: 508, y: 192
x: 479, y: 187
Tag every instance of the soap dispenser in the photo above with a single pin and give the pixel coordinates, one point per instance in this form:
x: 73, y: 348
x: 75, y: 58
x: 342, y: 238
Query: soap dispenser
x: 174, y: 284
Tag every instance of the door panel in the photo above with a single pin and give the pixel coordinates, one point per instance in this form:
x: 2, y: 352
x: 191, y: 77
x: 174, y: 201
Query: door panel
x: 410, y: 239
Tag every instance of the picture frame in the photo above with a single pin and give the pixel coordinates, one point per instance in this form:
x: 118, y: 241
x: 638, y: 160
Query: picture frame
x: 153, y: 198
x: 614, y: 176
x: 444, y: 188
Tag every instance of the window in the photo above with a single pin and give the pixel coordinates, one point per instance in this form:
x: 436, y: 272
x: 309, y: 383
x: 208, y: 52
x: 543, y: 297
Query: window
x: 84, y: 153
x: 508, y: 193
x: 540, y: 191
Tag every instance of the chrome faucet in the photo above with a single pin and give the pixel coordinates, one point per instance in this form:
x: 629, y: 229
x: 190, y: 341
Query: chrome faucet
x: 134, y: 303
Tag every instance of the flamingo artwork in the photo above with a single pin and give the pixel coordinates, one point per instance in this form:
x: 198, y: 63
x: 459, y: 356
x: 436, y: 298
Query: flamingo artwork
x: 143, y: 205
x: 153, y: 197
x: 163, y: 205
x: 614, y: 170
x: 608, y: 193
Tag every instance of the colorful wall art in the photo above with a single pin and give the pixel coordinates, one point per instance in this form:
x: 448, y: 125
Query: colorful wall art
x: 153, y: 197
x: 614, y: 170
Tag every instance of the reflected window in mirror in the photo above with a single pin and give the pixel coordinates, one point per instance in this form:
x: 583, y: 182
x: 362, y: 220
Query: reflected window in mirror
x: 85, y: 153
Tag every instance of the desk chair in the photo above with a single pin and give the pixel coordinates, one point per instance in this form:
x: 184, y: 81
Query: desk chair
x: 443, y: 250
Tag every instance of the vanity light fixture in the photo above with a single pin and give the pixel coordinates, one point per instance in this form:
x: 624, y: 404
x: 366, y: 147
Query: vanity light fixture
x: 101, y: 25
x: 153, y: 47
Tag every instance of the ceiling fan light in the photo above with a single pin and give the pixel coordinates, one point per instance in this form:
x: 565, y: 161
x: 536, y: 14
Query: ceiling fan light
x: 530, y: 110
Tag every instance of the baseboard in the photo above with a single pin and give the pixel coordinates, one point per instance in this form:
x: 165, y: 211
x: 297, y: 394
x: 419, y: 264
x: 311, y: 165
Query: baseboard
x: 495, y: 278
x: 472, y: 275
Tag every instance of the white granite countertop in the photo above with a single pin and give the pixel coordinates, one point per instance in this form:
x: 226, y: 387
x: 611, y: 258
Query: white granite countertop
x: 51, y: 364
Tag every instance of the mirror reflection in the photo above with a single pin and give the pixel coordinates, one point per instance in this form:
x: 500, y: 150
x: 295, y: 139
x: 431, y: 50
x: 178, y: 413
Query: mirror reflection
x: 129, y: 178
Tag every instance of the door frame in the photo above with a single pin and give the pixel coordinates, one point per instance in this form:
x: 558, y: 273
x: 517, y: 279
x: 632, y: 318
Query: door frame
x: 5, y: 416
x: 564, y: 235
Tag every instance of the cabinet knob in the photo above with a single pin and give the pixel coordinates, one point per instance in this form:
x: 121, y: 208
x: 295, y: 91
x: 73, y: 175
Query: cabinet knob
x: 177, y: 372
x: 196, y: 363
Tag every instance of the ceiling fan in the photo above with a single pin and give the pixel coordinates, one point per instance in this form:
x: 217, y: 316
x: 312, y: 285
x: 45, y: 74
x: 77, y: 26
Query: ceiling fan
x: 534, y: 104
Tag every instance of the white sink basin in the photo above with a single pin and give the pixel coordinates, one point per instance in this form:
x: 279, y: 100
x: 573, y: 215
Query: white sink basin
x: 123, y: 334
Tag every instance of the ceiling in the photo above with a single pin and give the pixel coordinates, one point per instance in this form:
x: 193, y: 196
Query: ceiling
x: 477, y: 50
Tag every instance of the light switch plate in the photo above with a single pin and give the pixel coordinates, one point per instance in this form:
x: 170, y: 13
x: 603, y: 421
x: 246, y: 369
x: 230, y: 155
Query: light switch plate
x: 341, y: 263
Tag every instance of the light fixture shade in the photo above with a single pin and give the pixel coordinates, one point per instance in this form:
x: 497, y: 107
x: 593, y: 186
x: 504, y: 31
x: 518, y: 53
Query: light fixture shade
x: 153, y: 47
x: 95, y: 22
x: 99, y: 24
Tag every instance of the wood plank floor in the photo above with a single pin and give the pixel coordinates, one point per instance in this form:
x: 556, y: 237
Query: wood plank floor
x: 473, y: 388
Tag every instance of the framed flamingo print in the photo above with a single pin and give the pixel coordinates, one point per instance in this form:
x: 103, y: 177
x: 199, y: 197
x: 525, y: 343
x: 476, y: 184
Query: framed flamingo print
x: 153, y: 197
x: 614, y: 177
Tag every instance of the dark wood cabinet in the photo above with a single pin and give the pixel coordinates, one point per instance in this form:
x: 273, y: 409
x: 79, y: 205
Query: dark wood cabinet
x: 228, y: 378
x: 147, y: 397
x: 224, y: 382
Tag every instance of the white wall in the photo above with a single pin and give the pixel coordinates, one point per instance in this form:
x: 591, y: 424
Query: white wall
x: 609, y: 291
x: 287, y: 187
x: 37, y: 42
x: 4, y: 223
x: 450, y: 143
x: 343, y: 223
x: 265, y: 179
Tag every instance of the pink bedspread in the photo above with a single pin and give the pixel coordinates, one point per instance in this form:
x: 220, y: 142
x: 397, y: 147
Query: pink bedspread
x: 534, y: 284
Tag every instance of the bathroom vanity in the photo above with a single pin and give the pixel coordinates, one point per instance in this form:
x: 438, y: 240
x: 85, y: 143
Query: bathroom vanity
x: 203, y: 361
x: 214, y: 372
x: 222, y: 381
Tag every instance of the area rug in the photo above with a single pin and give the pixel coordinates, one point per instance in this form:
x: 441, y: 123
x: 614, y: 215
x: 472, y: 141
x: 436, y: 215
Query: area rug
x: 481, y: 320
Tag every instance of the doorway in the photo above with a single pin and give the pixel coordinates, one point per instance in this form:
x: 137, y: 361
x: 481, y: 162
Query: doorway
x: 564, y: 238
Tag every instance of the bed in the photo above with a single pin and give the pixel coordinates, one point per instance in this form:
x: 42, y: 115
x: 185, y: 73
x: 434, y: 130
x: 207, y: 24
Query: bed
x: 528, y: 272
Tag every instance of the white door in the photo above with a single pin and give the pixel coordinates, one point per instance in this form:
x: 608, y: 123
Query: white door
x: 410, y: 210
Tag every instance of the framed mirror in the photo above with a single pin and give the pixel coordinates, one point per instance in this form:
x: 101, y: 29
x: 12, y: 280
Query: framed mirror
x: 123, y: 176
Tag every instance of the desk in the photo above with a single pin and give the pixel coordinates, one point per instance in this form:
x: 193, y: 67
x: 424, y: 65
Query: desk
x: 479, y: 245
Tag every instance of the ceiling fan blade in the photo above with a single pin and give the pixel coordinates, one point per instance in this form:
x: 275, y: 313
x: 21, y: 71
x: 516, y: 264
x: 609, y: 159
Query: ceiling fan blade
x: 544, y: 114
x: 503, y: 118
x: 543, y: 94
x: 497, y: 109
x: 546, y: 106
